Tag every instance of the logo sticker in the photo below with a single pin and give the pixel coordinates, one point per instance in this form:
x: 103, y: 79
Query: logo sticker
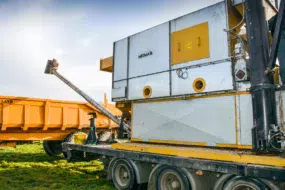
x: 145, y: 54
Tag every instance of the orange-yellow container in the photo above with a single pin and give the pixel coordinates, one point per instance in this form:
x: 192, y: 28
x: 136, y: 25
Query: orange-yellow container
x: 42, y: 119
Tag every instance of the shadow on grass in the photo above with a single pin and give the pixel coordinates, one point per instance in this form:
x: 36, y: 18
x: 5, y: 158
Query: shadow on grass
x: 42, y: 177
x: 28, y: 167
x: 28, y: 157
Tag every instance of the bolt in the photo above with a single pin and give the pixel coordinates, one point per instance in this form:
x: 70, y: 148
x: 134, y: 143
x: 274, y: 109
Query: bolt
x: 175, y: 184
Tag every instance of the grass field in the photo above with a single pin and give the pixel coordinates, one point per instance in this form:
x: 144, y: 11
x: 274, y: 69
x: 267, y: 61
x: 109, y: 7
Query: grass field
x: 28, y: 167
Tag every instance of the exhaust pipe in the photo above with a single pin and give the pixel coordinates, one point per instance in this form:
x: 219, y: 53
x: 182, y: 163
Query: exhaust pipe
x: 51, y: 68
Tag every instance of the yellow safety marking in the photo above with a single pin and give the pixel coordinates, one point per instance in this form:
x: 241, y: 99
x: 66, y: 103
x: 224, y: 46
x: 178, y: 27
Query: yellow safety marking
x: 136, y: 140
x: 193, y: 97
x: 178, y: 142
x: 204, y: 153
x: 234, y: 146
x: 236, y: 120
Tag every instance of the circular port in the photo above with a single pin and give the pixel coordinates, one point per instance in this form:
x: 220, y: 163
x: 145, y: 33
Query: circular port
x: 147, y: 92
x: 199, y: 85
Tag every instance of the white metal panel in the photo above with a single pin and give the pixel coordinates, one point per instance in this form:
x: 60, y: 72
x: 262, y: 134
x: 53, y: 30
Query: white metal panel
x: 119, y: 89
x: 216, y: 16
x: 243, y: 86
x: 155, y: 40
x: 159, y: 84
x: 245, y: 119
x: 218, y: 77
x: 121, y: 59
x: 120, y: 84
x: 210, y: 120
x: 119, y: 92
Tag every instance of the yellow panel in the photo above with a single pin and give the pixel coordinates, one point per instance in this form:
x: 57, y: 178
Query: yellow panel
x: 245, y: 157
x: 55, y: 116
x: 106, y: 64
x: 17, y: 118
x: 72, y: 119
x: 190, y: 44
x: 1, y: 113
x: 36, y: 116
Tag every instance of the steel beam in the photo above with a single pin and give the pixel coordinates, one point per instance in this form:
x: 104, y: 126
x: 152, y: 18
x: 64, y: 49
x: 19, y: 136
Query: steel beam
x: 277, y: 36
x: 262, y: 88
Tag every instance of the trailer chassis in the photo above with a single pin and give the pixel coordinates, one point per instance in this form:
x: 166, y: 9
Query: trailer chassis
x: 219, y: 172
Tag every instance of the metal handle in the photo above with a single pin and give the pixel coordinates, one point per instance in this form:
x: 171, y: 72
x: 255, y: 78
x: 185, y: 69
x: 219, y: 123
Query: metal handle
x: 179, y: 46
x: 199, y: 41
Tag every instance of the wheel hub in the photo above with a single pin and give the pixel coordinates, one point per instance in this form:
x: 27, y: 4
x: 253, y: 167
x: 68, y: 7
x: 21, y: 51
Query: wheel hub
x: 122, y: 175
x: 171, y: 181
x: 175, y: 184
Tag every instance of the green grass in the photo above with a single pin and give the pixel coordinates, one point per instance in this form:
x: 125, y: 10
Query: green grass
x: 28, y: 167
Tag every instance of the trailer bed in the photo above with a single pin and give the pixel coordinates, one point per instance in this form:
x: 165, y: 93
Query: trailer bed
x: 219, y: 161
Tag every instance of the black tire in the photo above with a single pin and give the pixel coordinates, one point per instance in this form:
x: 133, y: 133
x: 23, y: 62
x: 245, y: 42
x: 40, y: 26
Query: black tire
x: 52, y: 148
x: 240, y: 183
x: 168, y: 176
x: 70, y: 139
x: 123, y: 175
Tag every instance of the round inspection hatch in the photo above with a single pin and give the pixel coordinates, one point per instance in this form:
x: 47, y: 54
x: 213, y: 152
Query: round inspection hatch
x: 147, y: 91
x: 199, y: 85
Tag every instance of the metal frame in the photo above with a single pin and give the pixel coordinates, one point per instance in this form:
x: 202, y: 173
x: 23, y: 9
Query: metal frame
x: 170, y: 58
x: 257, y: 171
x: 277, y: 35
x: 128, y: 69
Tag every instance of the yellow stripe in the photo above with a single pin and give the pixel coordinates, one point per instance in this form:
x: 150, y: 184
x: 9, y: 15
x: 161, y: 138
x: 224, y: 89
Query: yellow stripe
x: 234, y: 146
x: 136, y: 140
x: 236, y: 120
x: 203, y: 153
x: 178, y: 142
x: 132, y: 120
x: 193, y: 97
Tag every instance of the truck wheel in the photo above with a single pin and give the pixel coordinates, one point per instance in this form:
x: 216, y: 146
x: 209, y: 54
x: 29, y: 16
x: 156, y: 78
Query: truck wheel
x: 123, y: 175
x: 171, y: 178
x: 244, y: 183
x: 52, y: 148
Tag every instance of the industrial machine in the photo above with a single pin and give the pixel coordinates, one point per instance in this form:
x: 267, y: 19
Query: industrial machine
x: 203, y: 95
x: 52, y: 121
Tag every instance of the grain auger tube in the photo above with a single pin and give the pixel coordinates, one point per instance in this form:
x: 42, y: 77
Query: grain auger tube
x: 51, y: 68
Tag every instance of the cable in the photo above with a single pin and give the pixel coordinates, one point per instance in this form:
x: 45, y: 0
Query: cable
x: 182, y: 74
x: 272, y: 138
x: 243, y: 9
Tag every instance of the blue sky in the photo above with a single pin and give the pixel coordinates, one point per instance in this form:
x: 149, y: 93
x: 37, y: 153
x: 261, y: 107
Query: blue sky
x: 77, y: 33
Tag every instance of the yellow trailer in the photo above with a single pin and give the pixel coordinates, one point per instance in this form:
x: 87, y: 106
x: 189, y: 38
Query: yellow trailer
x: 33, y: 119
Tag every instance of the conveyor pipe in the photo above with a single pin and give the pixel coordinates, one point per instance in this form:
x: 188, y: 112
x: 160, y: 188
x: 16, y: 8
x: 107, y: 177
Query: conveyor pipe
x: 51, y: 68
